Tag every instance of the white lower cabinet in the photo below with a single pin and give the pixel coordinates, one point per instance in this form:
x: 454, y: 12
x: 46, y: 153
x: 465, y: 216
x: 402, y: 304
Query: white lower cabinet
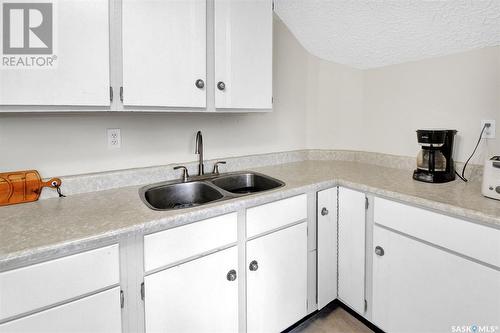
x: 176, y: 245
x: 420, y: 279
x: 420, y: 288
x: 198, y: 296
x: 351, y: 248
x: 99, y: 313
x: 76, y: 293
x: 49, y: 283
x: 277, y: 279
x: 327, y: 246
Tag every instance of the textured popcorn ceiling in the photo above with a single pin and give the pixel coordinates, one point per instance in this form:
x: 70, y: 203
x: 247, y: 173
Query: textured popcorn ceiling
x: 368, y: 34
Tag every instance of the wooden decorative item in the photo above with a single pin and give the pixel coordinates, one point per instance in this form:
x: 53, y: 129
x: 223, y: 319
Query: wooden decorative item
x: 23, y: 186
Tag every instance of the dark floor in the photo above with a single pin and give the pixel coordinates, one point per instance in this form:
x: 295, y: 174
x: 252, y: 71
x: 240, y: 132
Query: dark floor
x: 332, y: 319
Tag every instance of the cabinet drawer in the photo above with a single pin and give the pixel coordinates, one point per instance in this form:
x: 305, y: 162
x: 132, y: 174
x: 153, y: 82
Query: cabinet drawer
x: 276, y: 214
x: 470, y: 239
x: 169, y: 246
x: 29, y: 288
x: 99, y: 313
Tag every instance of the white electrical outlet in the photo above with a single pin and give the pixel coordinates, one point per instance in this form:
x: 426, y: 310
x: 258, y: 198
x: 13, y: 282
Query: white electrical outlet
x: 489, y: 132
x: 114, y: 138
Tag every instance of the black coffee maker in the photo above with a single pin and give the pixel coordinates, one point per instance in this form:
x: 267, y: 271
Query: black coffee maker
x: 434, y: 161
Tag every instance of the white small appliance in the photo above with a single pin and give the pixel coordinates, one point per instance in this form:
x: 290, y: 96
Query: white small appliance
x: 491, y: 178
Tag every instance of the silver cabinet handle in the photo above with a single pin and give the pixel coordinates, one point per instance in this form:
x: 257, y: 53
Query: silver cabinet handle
x: 221, y: 85
x: 254, y: 265
x: 200, y: 84
x: 231, y: 275
x: 379, y: 251
x: 324, y: 211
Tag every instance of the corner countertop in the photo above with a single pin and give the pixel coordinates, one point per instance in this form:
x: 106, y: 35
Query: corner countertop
x: 51, y: 228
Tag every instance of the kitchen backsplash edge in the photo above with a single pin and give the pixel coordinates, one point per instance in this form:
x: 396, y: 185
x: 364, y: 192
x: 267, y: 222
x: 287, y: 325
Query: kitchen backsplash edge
x: 101, y: 181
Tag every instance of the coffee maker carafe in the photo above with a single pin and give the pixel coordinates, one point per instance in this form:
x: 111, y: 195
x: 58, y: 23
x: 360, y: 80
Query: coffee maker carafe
x: 434, y: 161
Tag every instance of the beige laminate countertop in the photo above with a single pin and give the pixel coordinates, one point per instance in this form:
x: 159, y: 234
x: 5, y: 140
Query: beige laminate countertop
x: 54, y: 227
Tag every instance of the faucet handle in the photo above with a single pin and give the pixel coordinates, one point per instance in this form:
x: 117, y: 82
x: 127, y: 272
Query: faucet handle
x: 185, y: 174
x: 216, y: 167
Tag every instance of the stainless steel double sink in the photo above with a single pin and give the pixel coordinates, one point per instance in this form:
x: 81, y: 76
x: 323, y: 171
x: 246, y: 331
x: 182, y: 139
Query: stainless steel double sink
x: 205, y: 189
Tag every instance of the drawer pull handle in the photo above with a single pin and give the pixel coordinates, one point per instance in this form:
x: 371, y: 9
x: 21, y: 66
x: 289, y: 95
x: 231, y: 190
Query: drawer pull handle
x: 254, y: 265
x: 231, y: 275
x: 324, y: 211
x: 379, y: 251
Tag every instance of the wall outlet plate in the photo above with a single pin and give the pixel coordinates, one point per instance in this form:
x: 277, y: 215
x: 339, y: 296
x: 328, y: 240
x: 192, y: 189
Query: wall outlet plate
x: 114, y: 138
x: 489, y: 132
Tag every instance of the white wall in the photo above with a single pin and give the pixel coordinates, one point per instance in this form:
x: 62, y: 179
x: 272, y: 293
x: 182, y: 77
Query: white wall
x: 318, y: 104
x: 72, y: 144
x: 454, y: 91
x: 335, y: 112
x: 378, y: 110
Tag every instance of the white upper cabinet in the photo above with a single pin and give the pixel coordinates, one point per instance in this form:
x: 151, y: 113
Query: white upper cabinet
x: 243, y: 54
x: 164, y: 53
x: 61, y: 54
x: 58, y: 56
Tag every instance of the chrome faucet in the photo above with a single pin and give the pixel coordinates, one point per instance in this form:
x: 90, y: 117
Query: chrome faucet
x: 199, y: 151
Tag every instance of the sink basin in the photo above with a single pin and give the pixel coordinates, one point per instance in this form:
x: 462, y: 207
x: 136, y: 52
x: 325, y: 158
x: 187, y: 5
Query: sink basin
x: 180, y: 195
x: 246, y: 183
x: 205, y: 189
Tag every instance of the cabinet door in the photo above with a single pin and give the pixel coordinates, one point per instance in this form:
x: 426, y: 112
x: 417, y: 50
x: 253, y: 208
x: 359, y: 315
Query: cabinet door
x: 29, y: 288
x: 75, y: 71
x: 351, y: 255
x: 99, y: 313
x: 197, y: 296
x: 243, y: 53
x: 327, y: 246
x: 277, y: 279
x: 164, y: 53
x: 420, y: 288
